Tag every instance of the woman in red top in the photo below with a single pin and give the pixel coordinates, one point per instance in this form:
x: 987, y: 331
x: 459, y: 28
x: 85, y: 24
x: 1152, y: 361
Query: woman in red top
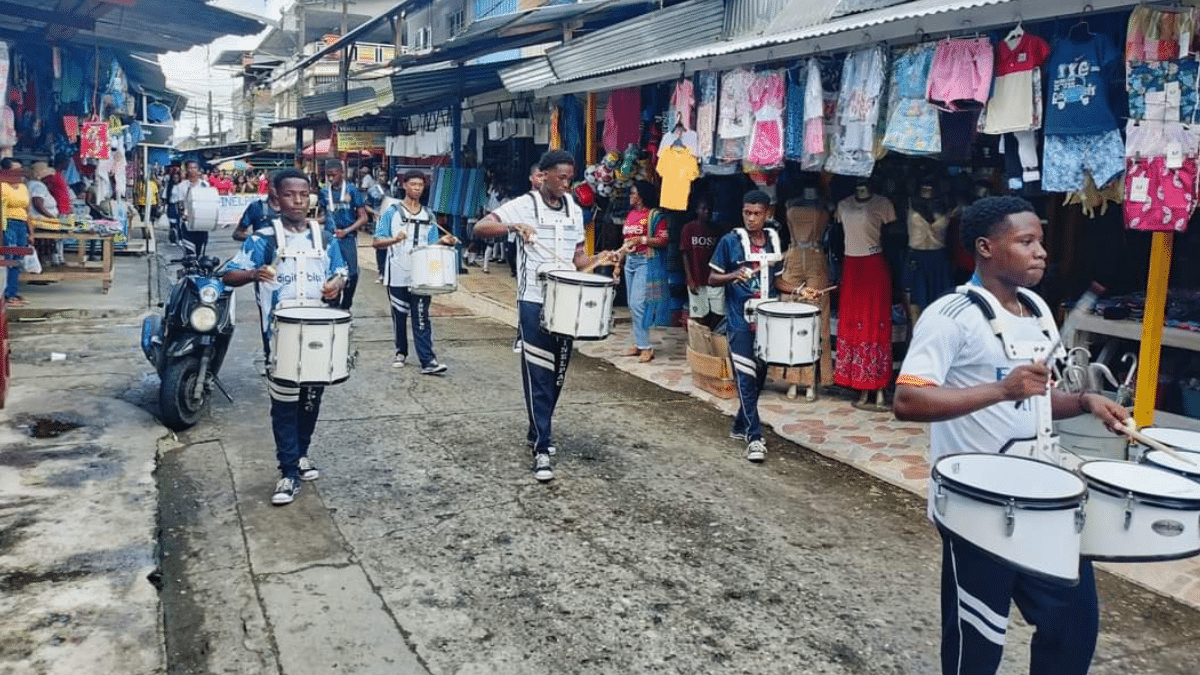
x: 645, y: 234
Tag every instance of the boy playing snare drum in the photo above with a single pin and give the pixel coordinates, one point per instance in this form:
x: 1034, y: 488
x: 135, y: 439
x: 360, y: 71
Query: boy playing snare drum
x: 958, y: 376
x: 294, y: 410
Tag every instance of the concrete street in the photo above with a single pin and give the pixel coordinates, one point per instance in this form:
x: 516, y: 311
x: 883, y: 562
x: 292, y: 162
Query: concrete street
x: 427, y: 547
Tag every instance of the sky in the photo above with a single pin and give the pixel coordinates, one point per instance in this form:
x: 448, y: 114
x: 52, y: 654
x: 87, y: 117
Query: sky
x: 189, y: 73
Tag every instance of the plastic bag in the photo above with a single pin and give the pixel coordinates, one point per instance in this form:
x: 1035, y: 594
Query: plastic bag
x: 31, y: 264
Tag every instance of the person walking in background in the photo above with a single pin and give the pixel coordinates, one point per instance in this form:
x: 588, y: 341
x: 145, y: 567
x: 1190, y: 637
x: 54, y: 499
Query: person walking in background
x: 403, y: 227
x: 193, y: 241
x: 706, y: 304
x: 15, y: 197
x: 645, y: 235
x: 343, y: 211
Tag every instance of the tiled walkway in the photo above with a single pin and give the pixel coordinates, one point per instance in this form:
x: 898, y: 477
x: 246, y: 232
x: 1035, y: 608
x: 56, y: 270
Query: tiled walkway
x: 873, y: 442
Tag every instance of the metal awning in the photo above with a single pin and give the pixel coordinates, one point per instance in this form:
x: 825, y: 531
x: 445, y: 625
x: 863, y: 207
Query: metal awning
x: 429, y: 88
x: 319, y: 104
x: 800, y: 14
x: 898, y: 24
x: 382, y: 99
x: 351, y: 36
x: 149, y: 26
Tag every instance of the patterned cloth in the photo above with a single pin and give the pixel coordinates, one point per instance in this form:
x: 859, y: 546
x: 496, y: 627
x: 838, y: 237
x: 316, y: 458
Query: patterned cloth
x: 766, y: 141
x: 457, y: 192
x: 793, y: 113
x: 858, y: 111
x: 1151, y: 97
x: 1065, y: 158
x: 1157, y: 198
x: 864, y: 336
x: 912, y: 126
x: 706, y: 113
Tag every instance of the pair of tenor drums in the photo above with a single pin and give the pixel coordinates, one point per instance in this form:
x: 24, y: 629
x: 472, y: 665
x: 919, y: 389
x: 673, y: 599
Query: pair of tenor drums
x: 310, y: 346
x: 787, y: 333
x: 1040, y: 518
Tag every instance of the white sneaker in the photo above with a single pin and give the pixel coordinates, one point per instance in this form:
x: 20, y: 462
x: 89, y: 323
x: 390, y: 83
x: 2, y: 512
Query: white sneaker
x: 398, y: 361
x: 541, y: 467
x: 756, y: 451
x: 285, y: 491
x: 308, y: 470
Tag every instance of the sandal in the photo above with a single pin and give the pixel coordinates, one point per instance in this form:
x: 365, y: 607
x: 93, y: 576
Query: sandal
x: 631, y: 351
x: 647, y: 356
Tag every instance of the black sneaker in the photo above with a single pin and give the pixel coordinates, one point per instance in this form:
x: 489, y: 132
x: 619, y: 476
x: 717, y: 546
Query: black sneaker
x: 434, y: 368
x: 285, y: 491
x: 541, y: 467
x: 308, y: 470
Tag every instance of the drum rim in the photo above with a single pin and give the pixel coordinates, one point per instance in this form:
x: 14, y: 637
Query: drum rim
x: 990, y: 497
x: 1107, y: 488
x: 816, y: 311
x: 1152, y: 430
x: 1164, y: 557
x: 1195, y: 475
x: 308, y: 383
x: 599, y: 280
x: 343, y: 317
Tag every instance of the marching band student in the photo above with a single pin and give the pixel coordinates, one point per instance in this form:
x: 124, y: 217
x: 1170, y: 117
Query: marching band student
x: 958, y: 377
x: 401, y: 228
x: 550, y: 225
x: 343, y: 210
x: 730, y: 268
x: 294, y: 410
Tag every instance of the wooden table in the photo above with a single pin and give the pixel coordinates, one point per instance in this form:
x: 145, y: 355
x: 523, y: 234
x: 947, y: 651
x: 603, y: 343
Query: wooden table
x: 77, y: 267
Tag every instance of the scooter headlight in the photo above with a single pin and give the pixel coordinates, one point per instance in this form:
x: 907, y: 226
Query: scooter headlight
x: 209, y: 295
x: 203, y: 319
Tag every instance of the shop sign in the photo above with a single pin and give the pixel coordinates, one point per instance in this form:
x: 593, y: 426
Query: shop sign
x: 359, y: 137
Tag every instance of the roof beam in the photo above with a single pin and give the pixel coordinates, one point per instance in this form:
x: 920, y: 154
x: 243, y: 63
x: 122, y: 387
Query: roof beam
x: 48, y: 16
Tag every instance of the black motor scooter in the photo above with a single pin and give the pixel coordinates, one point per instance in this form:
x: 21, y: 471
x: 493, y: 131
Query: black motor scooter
x: 187, y: 343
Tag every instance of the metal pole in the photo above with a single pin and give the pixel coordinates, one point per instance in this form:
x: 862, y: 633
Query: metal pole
x: 456, y: 163
x: 1161, y: 246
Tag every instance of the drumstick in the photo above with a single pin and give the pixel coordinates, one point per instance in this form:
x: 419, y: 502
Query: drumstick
x: 1146, y: 440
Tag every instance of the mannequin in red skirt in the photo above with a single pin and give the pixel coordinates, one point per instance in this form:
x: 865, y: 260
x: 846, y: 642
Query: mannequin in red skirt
x: 864, y: 327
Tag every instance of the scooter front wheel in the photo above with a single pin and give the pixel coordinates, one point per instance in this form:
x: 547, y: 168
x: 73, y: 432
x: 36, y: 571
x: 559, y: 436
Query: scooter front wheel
x: 179, y: 408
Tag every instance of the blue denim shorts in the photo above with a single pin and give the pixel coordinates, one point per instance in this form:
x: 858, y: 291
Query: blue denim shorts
x: 1065, y: 158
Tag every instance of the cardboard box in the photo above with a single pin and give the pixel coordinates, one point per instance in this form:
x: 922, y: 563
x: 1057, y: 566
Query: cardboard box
x: 708, y: 357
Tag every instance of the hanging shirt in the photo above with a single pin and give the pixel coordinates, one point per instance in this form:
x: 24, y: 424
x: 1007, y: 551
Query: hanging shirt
x: 418, y: 227
x: 682, y: 102
x: 622, y: 117
x: 735, y: 116
x: 678, y: 168
x: 1079, y: 73
x: 1011, y: 107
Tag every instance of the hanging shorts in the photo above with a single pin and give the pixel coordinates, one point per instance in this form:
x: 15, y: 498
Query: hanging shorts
x: 1158, y: 198
x: 960, y: 77
x: 1065, y: 158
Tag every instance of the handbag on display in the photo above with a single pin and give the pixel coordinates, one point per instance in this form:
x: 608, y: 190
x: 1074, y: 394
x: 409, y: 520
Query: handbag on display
x: 523, y: 126
x: 495, y: 128
x: 93, y: 140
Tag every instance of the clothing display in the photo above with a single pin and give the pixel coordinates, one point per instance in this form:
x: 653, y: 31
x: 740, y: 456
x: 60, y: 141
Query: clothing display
x: 678, y: 168
x: 1163, y: 91
x: 853, y: 150
x: 706, y: 114
x: 622, y: 119
x: 766, y: 140
x: 864, y: 337
x: 928, y: 273
x: 1080, y: 70
x: 735, y: 119
x: 805, y: 263
x: 796, y: 80
x: 1156, y: 35
x: 1065, y: 158
x: 912, y: 126
x: 1019, y: 60
x: 961, y: 74
x: 683, y: 100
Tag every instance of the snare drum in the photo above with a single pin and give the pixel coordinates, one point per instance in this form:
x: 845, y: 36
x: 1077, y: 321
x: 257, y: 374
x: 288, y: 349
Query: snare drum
x: 310, y: 346
x: 787, y: 334
x: 1024, y: 512
x: 1139, y: 513
x: 434, y: 270
x: 1178, y: 439
x: 201, y: 207
x: 1161, y: 460
x: 577, y: 304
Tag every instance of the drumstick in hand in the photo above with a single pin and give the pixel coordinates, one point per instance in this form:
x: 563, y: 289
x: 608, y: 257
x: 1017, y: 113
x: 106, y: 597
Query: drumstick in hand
x: 1146, y: 440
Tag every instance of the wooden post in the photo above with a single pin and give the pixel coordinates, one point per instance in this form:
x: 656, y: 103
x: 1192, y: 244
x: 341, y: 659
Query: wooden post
x: 1152, y: 327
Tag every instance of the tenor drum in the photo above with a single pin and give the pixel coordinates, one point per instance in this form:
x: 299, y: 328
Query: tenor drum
x: 1026, y: 513
x: 1086, y: 436
x: 1161, y: 460
x: 1137, y: 513
x: 577, y: 304
x: 787, y: 333
x: 310, y: 346
x: 1178, y: 439
x: 434, y: 270
x: 201, y: 207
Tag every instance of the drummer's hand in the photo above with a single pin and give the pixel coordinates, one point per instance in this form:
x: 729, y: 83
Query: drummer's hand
x: 1105, y: 409
x: 332, y: 287
x: 1022, y: 382
x: 448, y: 240
x: 694, y: 289
x: 808, y: 293
x: 527, y: 233
x: 339, y: 233
x: 745, y: 274
x: 400, y: 236
x: 264, y: 273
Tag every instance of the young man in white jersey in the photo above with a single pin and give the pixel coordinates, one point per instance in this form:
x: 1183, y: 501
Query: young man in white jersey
x: 403, y: 227
x: 550, y: 225
x: 958, y: 377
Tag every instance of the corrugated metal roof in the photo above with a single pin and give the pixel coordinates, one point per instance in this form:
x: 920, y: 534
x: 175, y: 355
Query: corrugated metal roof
x: 681, y: 26
x: 330, y: 100
x: 804, y: 13
x: 528, y: 75
x: 752, y: 17
x: 382, y: 99
x: 418, y: 90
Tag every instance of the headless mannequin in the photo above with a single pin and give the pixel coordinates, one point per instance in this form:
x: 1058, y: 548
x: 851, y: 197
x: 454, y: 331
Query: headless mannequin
x: 863, y: 217
x: 928, y: 273
x: 805, y: 265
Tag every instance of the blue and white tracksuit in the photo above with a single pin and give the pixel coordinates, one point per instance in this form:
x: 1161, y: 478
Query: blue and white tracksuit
x: 340, y: 206
x: 397, y: 276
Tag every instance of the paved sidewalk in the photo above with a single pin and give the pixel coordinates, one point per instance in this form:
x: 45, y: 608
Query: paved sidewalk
x: 875, y: 443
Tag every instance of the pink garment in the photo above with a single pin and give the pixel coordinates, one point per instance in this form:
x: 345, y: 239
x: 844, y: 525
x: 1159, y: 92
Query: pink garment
x: 766, y: 140
x: 961, y: 75
x: 1170, y: 194
x: 621, y: 119
x: 682, y: 102
x: 814, y: 111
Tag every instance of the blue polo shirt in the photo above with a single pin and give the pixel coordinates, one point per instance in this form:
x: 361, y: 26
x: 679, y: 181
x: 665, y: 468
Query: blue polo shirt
x: 341, y: 206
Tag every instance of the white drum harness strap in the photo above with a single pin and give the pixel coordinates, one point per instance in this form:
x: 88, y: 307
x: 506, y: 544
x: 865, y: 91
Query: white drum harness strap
x: 301, y: 255
x: 764, y: 261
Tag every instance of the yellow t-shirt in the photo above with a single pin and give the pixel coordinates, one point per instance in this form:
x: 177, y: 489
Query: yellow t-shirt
x: 16, y: 201
x: 678, y: 168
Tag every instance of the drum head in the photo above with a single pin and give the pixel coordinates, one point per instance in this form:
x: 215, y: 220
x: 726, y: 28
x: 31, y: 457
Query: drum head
x: 1161, y: 459
x: 1005, y: 477
x: 1147, y: 483
x: 1176, y: 438
x: 297, y: 314
x: 780, y: 308
x: 580, y: 278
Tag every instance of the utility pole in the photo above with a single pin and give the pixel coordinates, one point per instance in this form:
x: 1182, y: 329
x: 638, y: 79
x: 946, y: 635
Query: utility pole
x: 210, y: 117
x: 221, y: 126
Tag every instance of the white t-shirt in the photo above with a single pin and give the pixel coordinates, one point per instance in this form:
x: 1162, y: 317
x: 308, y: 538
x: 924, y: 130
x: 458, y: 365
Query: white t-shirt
x: 559, y: 230
x: 38, y: 189
x: 863, y: 223
x: 179, y: 192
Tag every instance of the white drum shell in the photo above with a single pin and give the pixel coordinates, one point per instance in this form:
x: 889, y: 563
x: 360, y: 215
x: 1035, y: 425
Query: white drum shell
x: 1179, y: 439
x: 577, y: 304
x: 1086, y: 436
x: 1161, y: 460
x: 1127, y: 529
x: 1044, y: 543
x: 202, y: 207
x: 787, y: 333
x: 434, y: 270
x: 310, y: 346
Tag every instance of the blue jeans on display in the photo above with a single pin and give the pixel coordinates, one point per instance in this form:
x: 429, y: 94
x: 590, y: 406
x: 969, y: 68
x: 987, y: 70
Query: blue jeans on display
x: 16, y: 234
x: 637, y: 271
x: 749, y: 374
x: 976, y: 593
x: 544, y: 361
x: 406, y: 303
x: 349, y: 247
x: 294, y: 412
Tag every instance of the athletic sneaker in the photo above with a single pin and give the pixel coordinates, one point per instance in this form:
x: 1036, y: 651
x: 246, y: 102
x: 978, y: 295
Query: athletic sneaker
x: 285, y: 491
x: 541, y: 467
x: 434, y: 368
x: 756, y: 451
x: 308, y: 470
x: 398, y: 361
x: 739, y: 436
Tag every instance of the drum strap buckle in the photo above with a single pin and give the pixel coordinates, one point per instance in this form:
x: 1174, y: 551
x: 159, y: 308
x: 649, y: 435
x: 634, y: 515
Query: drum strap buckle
x: 1128, y: 509
x: 1010, y: 518
x: 1080, y: 519
x: 939, y: 500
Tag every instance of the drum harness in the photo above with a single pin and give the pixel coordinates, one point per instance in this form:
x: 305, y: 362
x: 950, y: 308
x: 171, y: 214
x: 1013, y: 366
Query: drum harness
x: 557, y: 263
x: 764, y: 270
x: 301, y: 255
x: 1044, y: 446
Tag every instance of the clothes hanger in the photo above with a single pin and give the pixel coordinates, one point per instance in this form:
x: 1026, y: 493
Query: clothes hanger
x: 1082, y: 24
x: 1015, y: 34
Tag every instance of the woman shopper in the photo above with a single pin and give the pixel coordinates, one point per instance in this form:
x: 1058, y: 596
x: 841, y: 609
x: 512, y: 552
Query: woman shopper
x: 645, y: 234
x: 15, y: 196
